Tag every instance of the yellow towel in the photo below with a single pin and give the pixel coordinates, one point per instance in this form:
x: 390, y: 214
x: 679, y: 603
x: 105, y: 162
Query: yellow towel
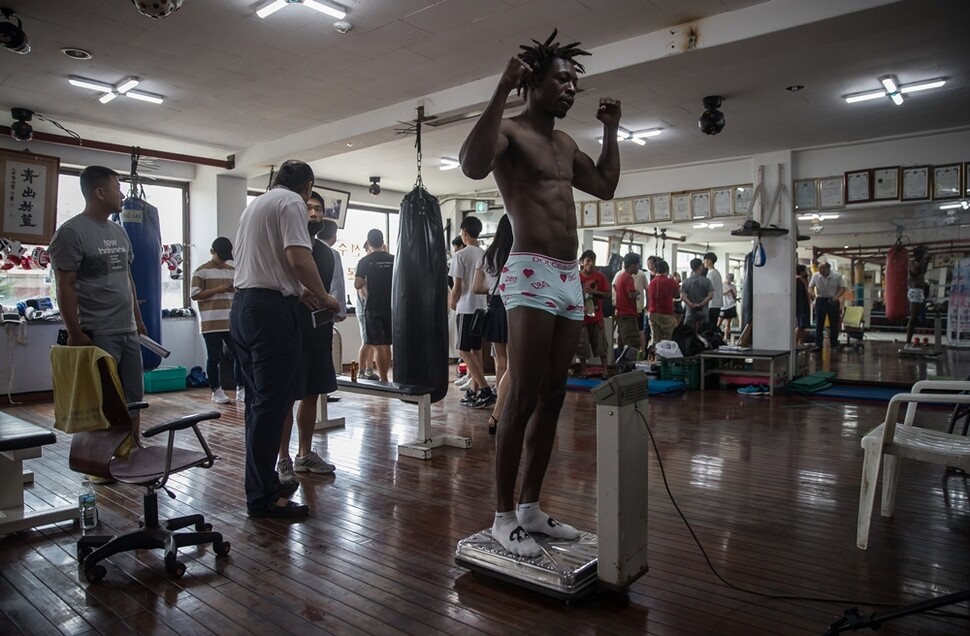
x: 77, y: 387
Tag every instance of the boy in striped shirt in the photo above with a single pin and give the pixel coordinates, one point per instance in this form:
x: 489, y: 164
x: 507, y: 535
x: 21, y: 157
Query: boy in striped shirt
x: 212, y: 288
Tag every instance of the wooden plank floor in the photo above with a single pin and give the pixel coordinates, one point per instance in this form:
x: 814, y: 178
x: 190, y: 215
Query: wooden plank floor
x: 769, y: 485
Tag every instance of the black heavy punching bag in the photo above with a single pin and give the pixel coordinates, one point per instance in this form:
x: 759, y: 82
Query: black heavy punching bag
x: 419, y: 296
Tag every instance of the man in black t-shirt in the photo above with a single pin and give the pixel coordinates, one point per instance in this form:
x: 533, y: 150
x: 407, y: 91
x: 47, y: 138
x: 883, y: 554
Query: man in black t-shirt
x: 374, y: 282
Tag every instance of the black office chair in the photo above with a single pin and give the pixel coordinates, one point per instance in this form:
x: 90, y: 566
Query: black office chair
x: 94, y: 453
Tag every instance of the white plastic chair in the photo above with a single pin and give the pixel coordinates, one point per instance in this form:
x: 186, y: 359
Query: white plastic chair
x: 906, y: 440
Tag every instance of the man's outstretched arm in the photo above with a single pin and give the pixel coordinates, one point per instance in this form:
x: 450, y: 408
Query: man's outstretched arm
x: 486, y: 143
x: 600, y: 179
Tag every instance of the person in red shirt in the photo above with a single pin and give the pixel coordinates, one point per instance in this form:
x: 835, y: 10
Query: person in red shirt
x: 661, y: 292
x: 592, y: 337
x: 627, y: 316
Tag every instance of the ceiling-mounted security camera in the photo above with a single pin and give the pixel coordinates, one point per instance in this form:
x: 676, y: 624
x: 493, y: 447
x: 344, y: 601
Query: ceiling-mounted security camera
x: 711, y: 120
x: 375, y: 186
x: 12, y: 35
x: 20, y: 129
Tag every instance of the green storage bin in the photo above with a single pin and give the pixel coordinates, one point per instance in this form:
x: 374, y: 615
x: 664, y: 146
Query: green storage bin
x: 686, y: 370
x: 165, y: 379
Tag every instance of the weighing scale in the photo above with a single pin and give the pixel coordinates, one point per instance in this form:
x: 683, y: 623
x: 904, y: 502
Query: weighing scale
x: 617, y: 556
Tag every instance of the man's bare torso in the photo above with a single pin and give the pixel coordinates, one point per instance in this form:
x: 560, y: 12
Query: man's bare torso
x: 535, y: 177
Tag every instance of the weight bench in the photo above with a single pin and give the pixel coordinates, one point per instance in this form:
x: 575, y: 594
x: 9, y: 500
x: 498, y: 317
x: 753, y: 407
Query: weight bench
x: 423, y: 446
x: 20, y: 440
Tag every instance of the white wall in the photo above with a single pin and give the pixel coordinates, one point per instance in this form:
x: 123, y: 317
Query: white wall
x: 29, y: 364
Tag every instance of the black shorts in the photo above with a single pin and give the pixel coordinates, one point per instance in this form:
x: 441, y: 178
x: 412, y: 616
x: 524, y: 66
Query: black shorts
x: 466, y: 341
x: 730, y: 313
x: 315, y: 374
x: 377, y: 327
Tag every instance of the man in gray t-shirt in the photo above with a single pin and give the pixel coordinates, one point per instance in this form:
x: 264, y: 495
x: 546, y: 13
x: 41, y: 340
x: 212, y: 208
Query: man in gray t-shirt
x: 696, y: 292
x: 91, y: 257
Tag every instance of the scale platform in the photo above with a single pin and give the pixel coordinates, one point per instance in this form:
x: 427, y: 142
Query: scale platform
x: 565, y: 570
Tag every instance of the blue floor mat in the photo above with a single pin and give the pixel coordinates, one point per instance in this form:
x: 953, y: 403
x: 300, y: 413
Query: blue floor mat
x: 853, y: 392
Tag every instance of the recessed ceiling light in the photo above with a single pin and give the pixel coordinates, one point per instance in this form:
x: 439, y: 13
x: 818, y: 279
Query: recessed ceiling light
x: 794, y: 88
x: 77, y: 54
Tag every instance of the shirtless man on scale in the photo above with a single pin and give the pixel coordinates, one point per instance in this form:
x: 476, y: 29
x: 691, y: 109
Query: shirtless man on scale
x: 536, y: 168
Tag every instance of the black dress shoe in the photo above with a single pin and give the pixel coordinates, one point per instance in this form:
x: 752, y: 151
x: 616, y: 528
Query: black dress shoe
x: 291, y: 510
x: 287, y: 488
x: 333, y: 398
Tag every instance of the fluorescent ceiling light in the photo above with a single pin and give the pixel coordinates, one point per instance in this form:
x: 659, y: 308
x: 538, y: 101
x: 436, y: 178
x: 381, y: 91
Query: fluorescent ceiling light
x: 270, y: 8
x: 128, y: 84
x: 861, y: 97
x: 327, y: 8
x: 922, y: 86
x: 814, y: 216
x: 145, y: 97
x: 644, y: 134
x: 897, y: 98
x: 638, y: 141
x: 959, y: 204
x: 889, y: 83
x: 107, y: 97
x: 448, y: 164
x: 80, y: 82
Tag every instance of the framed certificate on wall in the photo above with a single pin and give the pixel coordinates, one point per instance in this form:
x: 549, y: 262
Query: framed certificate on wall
x: 722, y: 201
x: 641, y: 210
x: 830, y: 192
x: 680, y: 206
x: 885, y: 184
x: 916, y: 183
x: 742, y: 199
x: 624, y: 212
x: 661, y: 207
x: 590, y: 214
x: 700, y: 204
x: 806, y: 194
x: 858, y: 186
x: 946, y: 181
x: 607, y: 213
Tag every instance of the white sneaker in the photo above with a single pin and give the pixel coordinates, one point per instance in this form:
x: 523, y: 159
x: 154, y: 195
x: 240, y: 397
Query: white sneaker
x: 284, y: 468
x: 240, y: 394
x: 464, y: 384
x: 461, y: 379
x: 219, y: 397
x: 312, y: 463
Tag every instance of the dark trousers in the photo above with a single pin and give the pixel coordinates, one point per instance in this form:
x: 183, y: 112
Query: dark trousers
x: 826, y: 307
x: 266, y: 333
x: 214, y: 341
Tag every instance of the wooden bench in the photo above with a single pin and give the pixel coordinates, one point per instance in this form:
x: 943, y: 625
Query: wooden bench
x: 20, y: 440
x: 423, y: 446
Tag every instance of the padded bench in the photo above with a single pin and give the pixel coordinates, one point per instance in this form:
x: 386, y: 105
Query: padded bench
x: 423, y: 446
x: 20, y: 440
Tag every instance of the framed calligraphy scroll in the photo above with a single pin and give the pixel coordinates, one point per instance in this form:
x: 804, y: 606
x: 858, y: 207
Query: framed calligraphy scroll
x: 29, y: 194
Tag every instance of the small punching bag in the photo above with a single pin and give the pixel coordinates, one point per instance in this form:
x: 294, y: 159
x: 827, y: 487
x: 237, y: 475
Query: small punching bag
x: 140, y: 220
x: 897, y: 273
x: 419, y: 296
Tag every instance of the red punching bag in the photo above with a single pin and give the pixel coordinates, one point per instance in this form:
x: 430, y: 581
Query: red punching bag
x: 897, y: 275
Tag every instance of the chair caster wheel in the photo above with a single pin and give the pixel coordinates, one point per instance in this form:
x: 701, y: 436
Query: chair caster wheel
x: 173, y: 566
x: 177, y: 569
x: 95, y: 574
x: 203, y: 527
x: 83, y: 553
x: 221, y: 548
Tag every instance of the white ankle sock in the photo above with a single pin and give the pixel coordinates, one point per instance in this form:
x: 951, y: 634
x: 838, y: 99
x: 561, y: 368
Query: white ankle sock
x: 507, y: 531
x: 533, y: 520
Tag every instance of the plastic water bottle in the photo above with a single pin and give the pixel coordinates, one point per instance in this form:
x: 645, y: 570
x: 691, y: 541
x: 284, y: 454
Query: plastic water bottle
x: 87, y: 504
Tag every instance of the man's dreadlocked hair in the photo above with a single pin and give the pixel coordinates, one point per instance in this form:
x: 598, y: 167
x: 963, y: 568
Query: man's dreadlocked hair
x: 541, y: 56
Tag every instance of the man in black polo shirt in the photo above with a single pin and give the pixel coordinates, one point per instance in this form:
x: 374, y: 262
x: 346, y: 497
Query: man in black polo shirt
x: 374, y: 282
